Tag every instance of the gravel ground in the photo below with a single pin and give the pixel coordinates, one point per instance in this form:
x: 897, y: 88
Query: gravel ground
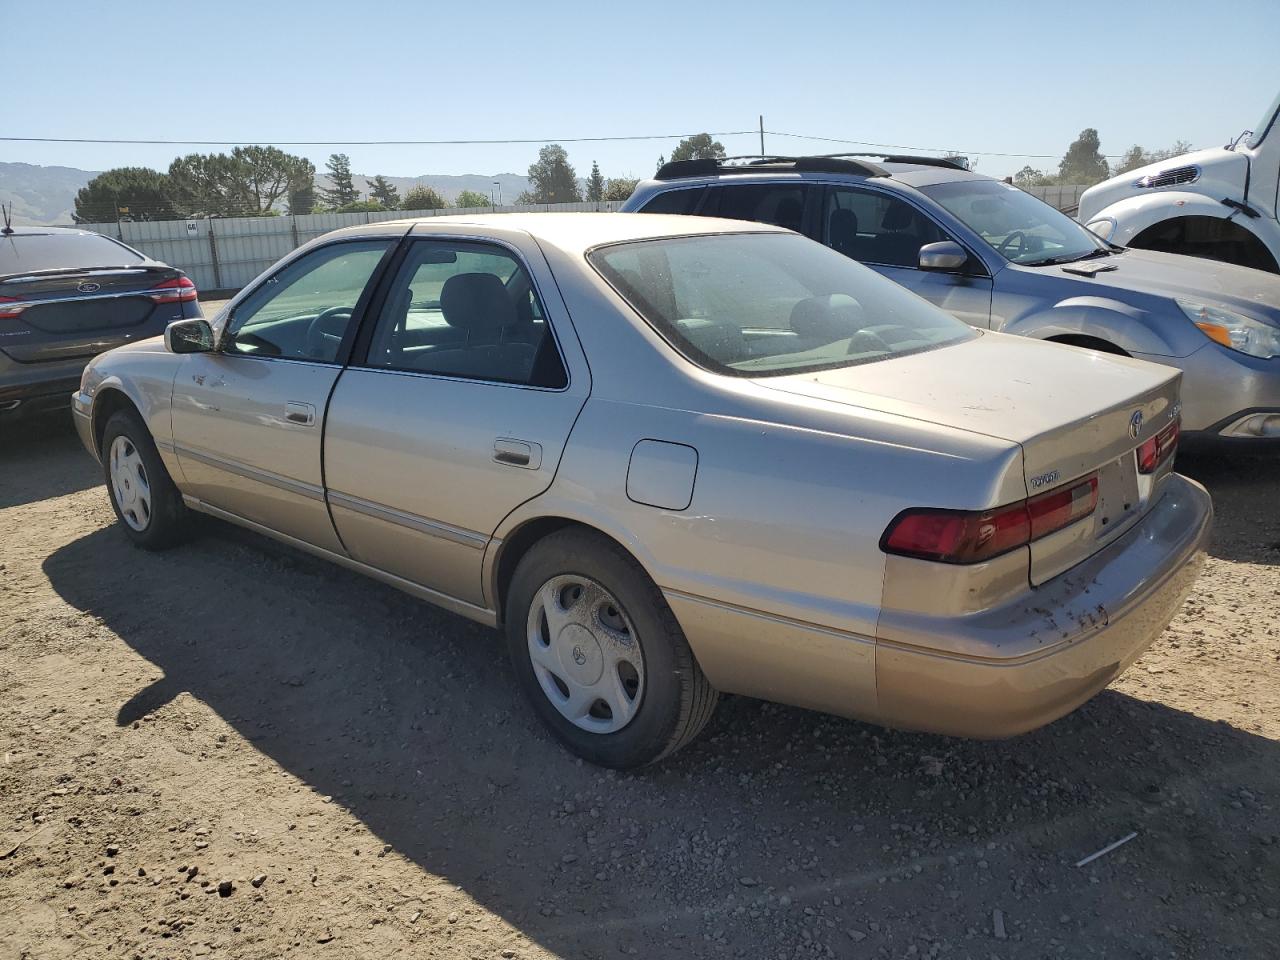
x: 234, y: 750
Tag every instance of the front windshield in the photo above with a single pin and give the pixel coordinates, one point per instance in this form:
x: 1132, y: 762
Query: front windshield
x: 1019, y: 227
x: 1268, y: 118
x: 760, y: 304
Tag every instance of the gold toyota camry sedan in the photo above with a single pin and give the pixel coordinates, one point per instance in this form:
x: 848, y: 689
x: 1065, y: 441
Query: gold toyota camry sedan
x: 672, y: 457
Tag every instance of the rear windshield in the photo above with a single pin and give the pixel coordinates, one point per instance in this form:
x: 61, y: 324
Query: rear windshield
x: 30, y: 252
x: 770, y: 304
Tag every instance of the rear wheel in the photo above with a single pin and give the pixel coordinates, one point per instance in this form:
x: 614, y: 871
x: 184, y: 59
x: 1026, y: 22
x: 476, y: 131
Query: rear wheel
x: 600, y: 655
x: 147, y: 504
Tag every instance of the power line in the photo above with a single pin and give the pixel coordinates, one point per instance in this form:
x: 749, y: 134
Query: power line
x: 899, y: 146
x: 373, y: 143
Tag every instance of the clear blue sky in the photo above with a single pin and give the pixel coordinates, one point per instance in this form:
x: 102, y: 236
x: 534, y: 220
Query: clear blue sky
x: 982, y: 77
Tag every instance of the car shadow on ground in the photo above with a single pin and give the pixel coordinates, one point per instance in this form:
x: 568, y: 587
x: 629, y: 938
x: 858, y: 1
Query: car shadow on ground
x: 1246, y: 502
x: 41, y: 457
x: 410, y: 718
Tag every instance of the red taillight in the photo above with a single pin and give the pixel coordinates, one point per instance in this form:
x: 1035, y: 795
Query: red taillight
x: 971, y: 536
x: 1156, y: 450
x: 1060, y: 508
x: 177, y: 290
x: 11, y: 307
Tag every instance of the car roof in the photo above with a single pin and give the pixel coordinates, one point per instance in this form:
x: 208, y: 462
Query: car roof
x: 911, y: 174
x: 576, y: 233
x: 28, y: 230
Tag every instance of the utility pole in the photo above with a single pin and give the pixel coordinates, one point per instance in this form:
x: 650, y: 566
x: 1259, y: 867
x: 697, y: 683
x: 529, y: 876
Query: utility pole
x: 762, y: 135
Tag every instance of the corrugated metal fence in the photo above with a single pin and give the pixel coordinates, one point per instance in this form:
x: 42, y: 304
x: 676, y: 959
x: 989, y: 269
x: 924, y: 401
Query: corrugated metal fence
x: 225, y: 254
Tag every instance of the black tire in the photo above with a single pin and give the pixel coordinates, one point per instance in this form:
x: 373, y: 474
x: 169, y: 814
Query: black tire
x: 168, y: 521
x: 677, y: 700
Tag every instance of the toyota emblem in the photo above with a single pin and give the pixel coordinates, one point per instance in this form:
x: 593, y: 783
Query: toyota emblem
x: 1135, y: 425
x: 89, y: 287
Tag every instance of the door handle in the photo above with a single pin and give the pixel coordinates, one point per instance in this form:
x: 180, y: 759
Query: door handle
x: 517, y: 453
x: 303, y: 413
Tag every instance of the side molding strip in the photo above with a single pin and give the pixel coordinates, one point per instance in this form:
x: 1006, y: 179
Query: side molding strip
x: 308, y: 490
x: 434, y: 528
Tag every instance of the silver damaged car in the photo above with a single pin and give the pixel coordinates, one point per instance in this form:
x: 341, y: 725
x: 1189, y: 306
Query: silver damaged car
x: 672, y: 457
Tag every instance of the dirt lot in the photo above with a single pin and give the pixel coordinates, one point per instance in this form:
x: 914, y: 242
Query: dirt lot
x: 233, y: 750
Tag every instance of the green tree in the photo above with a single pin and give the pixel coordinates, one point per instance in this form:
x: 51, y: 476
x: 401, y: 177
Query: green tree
x: 210, y: 184
x: 269, y: 174
x: 422, y: 198
x: 1136, y: 157
x: 552, y: 177
x: 1028, y: 176
x: 1083, y: 163
x: 470, y: 198
x: 595, y: 184
x: 619, y: 188
x: 142, y: 190
x: 661, y: 161
x: 1133, y: 158
x: 700, y: 146
x: 384, y: 192
x: 343, y: 191
x: 360, y: 206
x: 302, y: 198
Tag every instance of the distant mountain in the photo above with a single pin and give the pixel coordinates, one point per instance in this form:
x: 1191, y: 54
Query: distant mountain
x: 41, y: 194
x: 510, y: 185
x: 47, y: 195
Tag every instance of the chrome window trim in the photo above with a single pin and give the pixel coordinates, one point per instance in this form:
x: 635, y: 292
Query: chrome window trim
x: 411, y: 521
x: 523, y: 263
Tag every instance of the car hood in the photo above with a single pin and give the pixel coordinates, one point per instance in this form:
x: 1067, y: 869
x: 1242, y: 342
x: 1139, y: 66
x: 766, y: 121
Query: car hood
x: 1172, y: 275
x: 1222, y: 174
x: 1070, y: 409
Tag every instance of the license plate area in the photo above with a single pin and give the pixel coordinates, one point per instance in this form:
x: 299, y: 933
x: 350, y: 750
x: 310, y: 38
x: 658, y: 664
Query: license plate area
x: 1119, y: 505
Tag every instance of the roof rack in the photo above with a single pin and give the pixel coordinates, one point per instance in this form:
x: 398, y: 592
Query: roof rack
x: 952, y: 163
x: 710, y: 167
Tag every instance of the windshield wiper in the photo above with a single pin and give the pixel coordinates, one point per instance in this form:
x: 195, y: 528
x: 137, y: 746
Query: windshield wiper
x: 1069, y: 258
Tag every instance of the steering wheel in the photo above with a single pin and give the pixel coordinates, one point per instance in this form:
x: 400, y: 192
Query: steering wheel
x: 325, y: 332
x: 1004, y: 244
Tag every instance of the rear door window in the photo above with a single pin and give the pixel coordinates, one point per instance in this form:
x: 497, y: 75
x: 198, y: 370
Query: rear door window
x: 675, y: 201
x: 467, y: 310
x: 777, y: 203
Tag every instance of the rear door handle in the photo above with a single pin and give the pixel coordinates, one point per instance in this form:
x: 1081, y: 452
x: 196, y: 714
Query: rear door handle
x: 303, y: 413
x: 517, y: 453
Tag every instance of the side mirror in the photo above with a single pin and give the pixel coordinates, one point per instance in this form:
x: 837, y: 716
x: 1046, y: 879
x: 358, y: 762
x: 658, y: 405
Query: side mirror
x: 944, y: 255
x: 189, y: 336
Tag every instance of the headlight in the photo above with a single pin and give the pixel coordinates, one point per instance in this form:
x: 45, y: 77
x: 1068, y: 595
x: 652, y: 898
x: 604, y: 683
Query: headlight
x: 1233, y: 330
x: 1103, y: 227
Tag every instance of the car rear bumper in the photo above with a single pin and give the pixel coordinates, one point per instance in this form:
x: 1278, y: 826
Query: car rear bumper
x: 28, y: 387
x: 991, y: 674
x: 1014, y: 668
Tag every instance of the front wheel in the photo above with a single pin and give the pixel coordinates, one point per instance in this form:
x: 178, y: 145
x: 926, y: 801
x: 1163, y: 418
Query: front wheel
x: 147, y: 504
x: 600, y: 655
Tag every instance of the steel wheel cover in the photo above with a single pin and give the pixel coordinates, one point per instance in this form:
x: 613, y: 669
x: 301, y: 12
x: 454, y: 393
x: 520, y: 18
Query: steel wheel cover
x: 585, y: 653
x: 130, y: 484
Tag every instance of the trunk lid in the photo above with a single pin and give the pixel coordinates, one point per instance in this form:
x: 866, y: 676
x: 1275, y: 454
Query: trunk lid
x: 65, y: 314
x: 1071, y: 410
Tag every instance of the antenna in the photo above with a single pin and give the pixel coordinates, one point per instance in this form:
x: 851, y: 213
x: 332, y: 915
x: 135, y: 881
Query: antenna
x: 8, y: 219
